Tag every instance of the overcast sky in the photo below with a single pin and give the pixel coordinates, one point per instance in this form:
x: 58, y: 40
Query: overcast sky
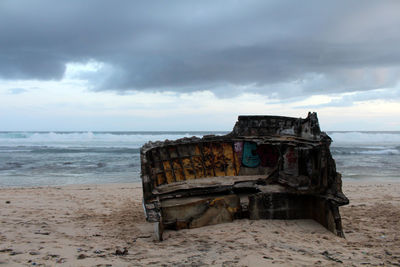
x: 196, y: 65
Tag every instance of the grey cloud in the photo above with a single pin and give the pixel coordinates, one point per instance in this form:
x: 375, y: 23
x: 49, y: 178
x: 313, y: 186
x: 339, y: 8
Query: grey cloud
x: 276, y: 48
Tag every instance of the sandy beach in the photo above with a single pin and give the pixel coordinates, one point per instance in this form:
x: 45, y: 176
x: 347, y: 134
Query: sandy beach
x: 104, y: 225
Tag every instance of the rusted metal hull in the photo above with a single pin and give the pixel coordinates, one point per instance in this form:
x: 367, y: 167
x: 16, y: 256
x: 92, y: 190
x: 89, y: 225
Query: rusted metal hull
x: 268, y: 168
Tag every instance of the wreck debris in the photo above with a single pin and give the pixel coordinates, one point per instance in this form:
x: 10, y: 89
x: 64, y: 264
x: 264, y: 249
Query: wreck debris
x: 268, y: 167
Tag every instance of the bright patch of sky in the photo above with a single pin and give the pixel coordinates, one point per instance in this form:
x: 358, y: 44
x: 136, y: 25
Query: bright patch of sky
x: 69, y: 104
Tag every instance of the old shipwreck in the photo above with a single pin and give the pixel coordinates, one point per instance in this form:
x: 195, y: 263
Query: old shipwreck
x: 268, y: 167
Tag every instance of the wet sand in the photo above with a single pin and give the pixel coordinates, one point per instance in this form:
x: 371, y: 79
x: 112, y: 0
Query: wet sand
x: 104, y: 225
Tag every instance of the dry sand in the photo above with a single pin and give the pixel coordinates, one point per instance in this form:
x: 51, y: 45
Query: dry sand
x: 85, y: 226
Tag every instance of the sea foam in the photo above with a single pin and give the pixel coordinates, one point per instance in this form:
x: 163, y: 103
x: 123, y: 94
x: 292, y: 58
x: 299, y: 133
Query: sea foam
x: 366, y: 138
x: 88, y: 139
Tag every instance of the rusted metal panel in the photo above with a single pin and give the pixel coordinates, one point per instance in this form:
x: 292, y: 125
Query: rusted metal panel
x: 180, y: 163
x: 208, y: 158
x: 199, y: 166
x: 219, y: 160
x: 229, y: 159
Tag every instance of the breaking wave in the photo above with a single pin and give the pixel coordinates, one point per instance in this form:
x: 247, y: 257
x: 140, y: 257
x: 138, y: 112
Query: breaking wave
x: 364, y: 151
x: 365, y: 138
x: 365, y: 143
x: 84, y: 139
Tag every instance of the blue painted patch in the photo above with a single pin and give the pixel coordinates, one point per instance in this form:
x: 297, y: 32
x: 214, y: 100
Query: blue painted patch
x: 250, y: 157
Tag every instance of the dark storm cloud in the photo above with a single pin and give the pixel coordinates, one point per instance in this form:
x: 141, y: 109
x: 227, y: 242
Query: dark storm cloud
x: 278, y: 48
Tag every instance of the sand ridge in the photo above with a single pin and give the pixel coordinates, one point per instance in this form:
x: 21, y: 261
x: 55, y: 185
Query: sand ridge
x: 104, y: 225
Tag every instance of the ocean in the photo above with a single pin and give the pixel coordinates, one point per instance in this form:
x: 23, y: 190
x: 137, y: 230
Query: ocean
x: 62, y: 158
